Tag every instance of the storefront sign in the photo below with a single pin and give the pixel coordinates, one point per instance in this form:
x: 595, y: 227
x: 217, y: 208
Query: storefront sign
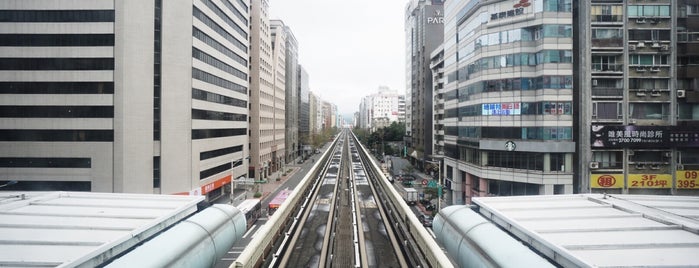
x: 687, y: 179
x: 607, y: 180
x: 650, y: 181
x: 643, y: 136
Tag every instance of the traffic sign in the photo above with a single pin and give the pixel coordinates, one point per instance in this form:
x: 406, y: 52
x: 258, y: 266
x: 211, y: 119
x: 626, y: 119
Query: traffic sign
x: 424, y: 182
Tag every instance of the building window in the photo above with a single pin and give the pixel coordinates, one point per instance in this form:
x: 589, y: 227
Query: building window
x: 649, y: 111
x: 609, y: 159
x: 606, y: 110
x: 648, y: 11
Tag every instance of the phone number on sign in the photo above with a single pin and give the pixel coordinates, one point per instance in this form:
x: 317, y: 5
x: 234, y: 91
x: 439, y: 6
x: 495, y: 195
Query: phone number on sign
x: 687, y: 179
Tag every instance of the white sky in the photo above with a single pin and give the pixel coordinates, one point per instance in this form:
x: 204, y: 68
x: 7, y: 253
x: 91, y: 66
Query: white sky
x: 348, y: 48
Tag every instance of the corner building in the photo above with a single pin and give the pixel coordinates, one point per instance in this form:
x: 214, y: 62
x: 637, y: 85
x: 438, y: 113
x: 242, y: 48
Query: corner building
x: 508, y: 98
x: 639, y: 97
x: 124, y: 96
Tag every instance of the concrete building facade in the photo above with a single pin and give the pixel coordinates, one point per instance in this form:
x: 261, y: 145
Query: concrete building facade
x: 100, y: 96
x: 304, y: 106
x: 638, y: 81
x: 380, y: 109
x: 508, y: 98
x: 292, y: 97
x: 424, y: 31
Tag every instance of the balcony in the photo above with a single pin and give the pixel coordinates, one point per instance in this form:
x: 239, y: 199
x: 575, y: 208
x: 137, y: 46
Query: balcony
x: 607, y: 92
x: 607, y: 19
x: 608, y: 42
x: 607, y: 68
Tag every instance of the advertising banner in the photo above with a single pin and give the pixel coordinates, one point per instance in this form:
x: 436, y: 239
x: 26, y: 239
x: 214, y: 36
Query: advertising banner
x: 607, y: 180
x: 643, y: 136
x: 650, y: 181
x: 687, y: 179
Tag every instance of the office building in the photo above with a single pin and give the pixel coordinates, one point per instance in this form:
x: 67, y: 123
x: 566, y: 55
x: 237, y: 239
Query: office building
x: 380, y: 109
x: 424, y: 31
x: 124, y: 96
x: 508, y: 98
x: 638, y: 111
x: 291, y: 143
x: 304, y: 106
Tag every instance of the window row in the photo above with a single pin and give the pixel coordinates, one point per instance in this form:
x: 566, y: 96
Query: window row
x: 217, y: 98
x: 56, y: 15
x: 198, y: 134
x: 218, y: 81
x: 523, y: 133
x: 56, y: 135
x: 214, y: 115
x: 649, y: 59
x: 219, y: 152
x: 40, y: 64
x: 210, y: 60
x: 511, y: 60
x: 648, y: 11
x: 45, y: 162
x: 222, y: 14
x: 516, y: 35
x: 235, y: 11
x: 198, y: 34
x: 214, y: 170
x: 56, y: 40
x: 217, y: 28
x: 56, y: 88
x: 637, y: 110
x: 648, y: 35
x: 511, y: 108
x: 511, y: 84
x: 553, y: 5
x: 57, y: 111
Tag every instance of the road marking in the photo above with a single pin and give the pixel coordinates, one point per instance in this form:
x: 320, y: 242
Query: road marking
x: 251, y: 229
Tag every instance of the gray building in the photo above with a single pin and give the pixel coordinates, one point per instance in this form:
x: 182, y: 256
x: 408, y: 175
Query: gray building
x: 508, y: 98
x: 638, y: 81
x: 99, y: 96
x: 424, y: 31
x: 292, y: 97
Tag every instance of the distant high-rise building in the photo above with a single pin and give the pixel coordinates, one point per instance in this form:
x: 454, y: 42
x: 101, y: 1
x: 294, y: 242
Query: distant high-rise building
x: 508, y: 98
x: 124, y: 96
x: 266, y: 93
x: 424, y: 31
x: 437, y: 67
x: 637, y: 86
x: 304, y: 106
x: 380, y: 109
x: 292, y: 95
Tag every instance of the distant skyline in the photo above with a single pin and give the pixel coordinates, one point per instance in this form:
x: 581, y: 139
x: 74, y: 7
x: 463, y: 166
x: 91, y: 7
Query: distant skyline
x: 348, y: 48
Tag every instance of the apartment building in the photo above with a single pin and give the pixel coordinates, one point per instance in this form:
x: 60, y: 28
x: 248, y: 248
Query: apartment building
x: 638, y: 76
x: 124, y: 96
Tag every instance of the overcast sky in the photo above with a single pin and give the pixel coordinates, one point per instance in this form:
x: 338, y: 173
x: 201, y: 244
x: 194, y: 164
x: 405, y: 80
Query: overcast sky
x: 348, y: 48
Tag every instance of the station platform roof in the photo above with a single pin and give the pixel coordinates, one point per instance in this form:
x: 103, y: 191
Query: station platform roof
x: 68, y: 229
x: 602, y: 230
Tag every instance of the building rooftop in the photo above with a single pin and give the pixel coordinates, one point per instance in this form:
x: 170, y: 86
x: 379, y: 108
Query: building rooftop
x: 67, y: 229
x: 602, y: 230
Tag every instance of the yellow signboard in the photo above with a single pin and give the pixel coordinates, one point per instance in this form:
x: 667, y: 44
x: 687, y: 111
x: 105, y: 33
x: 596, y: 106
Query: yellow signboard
x: 687, y: 179
x: 607, y: 180
x: 650, y: 181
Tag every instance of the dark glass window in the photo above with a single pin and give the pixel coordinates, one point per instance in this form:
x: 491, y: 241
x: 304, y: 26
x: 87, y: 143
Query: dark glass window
x: 516, y: 160
x: 218, y: 81
x: 57, y: 111
x: 56, y: 15
x: 56, y: 40
x: 214, y: 115
x: 37, y: 64
x: 221, y: 14
x: 217, y: 28
x: 210, y: 60
x: 218, y: 46
x: 32, y: 185
x: 156, y: 171
x: 220, y: 152
x: 214, y: 170
x: 56, y: 135
x: 57, y: 87
x: 217, y: 98
x: 217, y: 133
x: 236, y: 12
x: 45, y: 162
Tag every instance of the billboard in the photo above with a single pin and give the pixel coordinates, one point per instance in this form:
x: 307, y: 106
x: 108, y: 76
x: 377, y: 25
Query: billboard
x: 618, y: 136
x: 503, y: 108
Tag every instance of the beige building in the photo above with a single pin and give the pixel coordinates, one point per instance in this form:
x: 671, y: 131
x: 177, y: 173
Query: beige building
x: 124, y: 96
x: 266, y: 94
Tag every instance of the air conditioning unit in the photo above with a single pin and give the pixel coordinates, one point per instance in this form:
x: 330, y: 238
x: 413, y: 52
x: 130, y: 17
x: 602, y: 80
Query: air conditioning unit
x: 641, y: 20
x: 632, y: 47
x: 632, y: 122
x: 594, y: 82
x: 654, y: 166
x: 640, y: 69
x: 640, y: 166
x: 594, y: 165
x: 655, y: 93
x: 681, y: 93
x: 640, y: 45
x: 665, y: 47
x: 667, y: 154
x: 680, y: 167
x: 655, y: 45
x: 641, y: 93
x: 655, y: 69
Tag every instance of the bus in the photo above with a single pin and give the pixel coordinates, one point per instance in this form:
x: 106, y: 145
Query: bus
x: 278, y: 200
x: 252, y: 209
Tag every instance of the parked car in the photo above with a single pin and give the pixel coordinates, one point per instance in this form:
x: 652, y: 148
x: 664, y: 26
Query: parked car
x: 426, y: 220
